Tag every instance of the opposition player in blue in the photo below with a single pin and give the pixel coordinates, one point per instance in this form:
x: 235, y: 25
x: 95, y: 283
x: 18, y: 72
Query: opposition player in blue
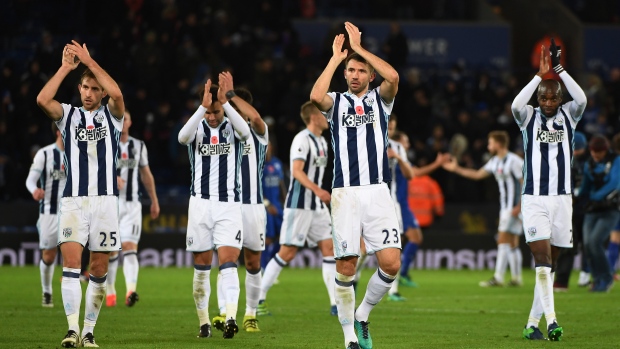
x: 48, y: 168
x: 361, y: 203
x: 214, y: 136
x: 89, y: 206
x: 273, y: 190
x: 546, y: 202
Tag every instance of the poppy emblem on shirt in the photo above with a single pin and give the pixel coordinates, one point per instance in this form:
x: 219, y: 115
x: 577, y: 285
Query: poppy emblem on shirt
x: 321, y: 153
x: 359, y: 110
x: 270, y: 168
x: 124, y: 155
x: 90, y: 127
x: 214, y: 140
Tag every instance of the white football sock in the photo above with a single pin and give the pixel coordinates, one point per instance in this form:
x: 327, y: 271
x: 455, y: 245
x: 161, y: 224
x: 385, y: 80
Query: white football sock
x: 95, y: 293
x: 47, y: 273
x: 202, y: 292
x: 394, y: 287
x: 130, y: 269
x: 537, y: 311
x: 345, y: 303
x: 517, y: 258
x: 230, y: 287
x: 378, y: 285
x: 544, y: 283
x: 71, y: 297
x: 111, y: 278
x: 329, y: 275
x: 253, y: 280
x: 221, y: 297
x: 272, y: 270
x: 503, y: 254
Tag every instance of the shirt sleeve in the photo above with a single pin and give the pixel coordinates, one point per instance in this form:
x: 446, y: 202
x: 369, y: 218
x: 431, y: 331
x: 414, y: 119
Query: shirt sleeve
x: 118, y: 123
x: 144, y: 156
x: 62, y: 123
x: 521, y: 111
x: 187, y: 134
x: 38, y: 164
x: 577, y: 106
x: 330, y: 113
x: 402, y: 153
x: 488, y: 166
x: 264, y: 138
x: 517, y: 167
x: 387, y: 107
x: 299, y: 148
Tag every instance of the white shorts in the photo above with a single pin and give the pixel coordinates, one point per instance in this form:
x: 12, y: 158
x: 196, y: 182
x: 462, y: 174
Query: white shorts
x: 508, y: 223
x: 299, y: 226
x: 130, y: 220
x: 548, y: 218
x: 367, y: 211
x: 399, y: 217
x: 211, y: 224
x: 254, y: 226
x: 47, y: 225
x: 92, y: 219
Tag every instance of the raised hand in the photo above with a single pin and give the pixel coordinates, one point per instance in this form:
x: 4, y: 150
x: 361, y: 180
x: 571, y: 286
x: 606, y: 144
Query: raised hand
x: 81, y: 52
x: 355, y: 36
x: 69, y: 59
x: 544, y: 61
x: 226, y: 81
x: 337, y: 51
x: 207, y: 98
x: 555, y: 52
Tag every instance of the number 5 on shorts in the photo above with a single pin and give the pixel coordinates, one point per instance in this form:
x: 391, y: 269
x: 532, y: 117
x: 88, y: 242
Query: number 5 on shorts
x: 112, y: 238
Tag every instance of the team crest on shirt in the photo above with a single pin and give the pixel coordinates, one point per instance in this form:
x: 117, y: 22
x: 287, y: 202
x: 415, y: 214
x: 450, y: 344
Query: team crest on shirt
x: 531, y: 231
x: 190, y: 241
x: 66, y: 232
x: 558, y: 121
x: 369, y: 102
x: 226, y: 133
x: 99, y: 118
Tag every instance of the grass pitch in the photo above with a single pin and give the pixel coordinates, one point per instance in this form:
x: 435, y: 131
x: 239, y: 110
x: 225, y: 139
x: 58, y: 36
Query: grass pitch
x: 448, y: 310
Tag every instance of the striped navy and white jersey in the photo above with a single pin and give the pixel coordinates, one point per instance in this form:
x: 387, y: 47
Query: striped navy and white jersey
x: 508, y: 172
x: 252, y: 166
x: 400, y: 150
x: 91, y: 146
x: 359, y: 137
x: 548, y: 145
x: 49, y: 163
x: 215, y: 157
x: 313, y: 151
x: 132, y: 156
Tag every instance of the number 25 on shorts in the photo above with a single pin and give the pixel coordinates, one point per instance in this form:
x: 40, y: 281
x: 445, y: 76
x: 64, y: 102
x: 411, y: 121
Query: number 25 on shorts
x: 104, y: 239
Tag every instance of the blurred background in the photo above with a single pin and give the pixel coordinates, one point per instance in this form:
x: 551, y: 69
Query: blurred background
x: 461, y: 63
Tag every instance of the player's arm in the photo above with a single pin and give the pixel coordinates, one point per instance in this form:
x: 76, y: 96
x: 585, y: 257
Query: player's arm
x: 239, y: 124
x: 318, y: 95
x: 116, y: 102
x: 188, y: 131
x: 613, y: 183
x: 45, y: 99
x: 149, y: 184
x: 519, y: 106
x: 302, y: 178
x: 34, y: 175
x: 469, y: 173
x: 400, y: 156
x: 430, y: 168
x: 516, y: 209
x: 578, y: 104
x: 389, y: 86
x: 245, y: 108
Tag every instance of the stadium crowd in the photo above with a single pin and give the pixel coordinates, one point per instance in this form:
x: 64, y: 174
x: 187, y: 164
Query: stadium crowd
x: 162, y: 51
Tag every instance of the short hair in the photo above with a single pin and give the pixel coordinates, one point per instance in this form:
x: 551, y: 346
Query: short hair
x: 213, y: 90
x: 308, y: 109
x: 549, y: 84
x: 500, y: 137
x: 616, y: 143
x: 357, y: 57
x: 244, y: 94
x: 398, y: 136
x: 87, y: 73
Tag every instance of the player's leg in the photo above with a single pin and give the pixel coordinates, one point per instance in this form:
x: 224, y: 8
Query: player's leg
x: 613, y: 248
x: 131, y: 268
x: 95, y: 293
x: 48, y: 240
x: 359, y: 265
x: 254, y: 223
x: 516, y: 261
x: 72, y: 238
x: 110, y: 299
x: 329, y: 272
x: 504, y: 242
x: 597, y: 227
x: 346, y: 240
x: 414, y: 240
x: 273, y: 269
x: 199, y: 241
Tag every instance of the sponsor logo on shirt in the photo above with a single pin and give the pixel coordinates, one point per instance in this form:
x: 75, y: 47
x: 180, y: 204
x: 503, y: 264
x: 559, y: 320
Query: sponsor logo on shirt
x: 549, y: 136
x: 90, y: 133
x: 214, y: 149
x: 320, y: 161
x: 58, y: 174
x: 247, y: 149
x: 128, y: 163
x: 357, y: 120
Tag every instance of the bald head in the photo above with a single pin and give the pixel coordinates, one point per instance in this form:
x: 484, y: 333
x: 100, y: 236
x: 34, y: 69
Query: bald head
x: 550, y: 85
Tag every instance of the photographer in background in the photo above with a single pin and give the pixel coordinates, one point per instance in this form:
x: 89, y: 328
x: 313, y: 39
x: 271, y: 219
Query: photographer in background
x: 614, y: 238
x: 601, y: 185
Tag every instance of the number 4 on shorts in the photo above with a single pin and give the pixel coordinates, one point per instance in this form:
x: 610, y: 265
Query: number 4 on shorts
x: 238, y: 237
